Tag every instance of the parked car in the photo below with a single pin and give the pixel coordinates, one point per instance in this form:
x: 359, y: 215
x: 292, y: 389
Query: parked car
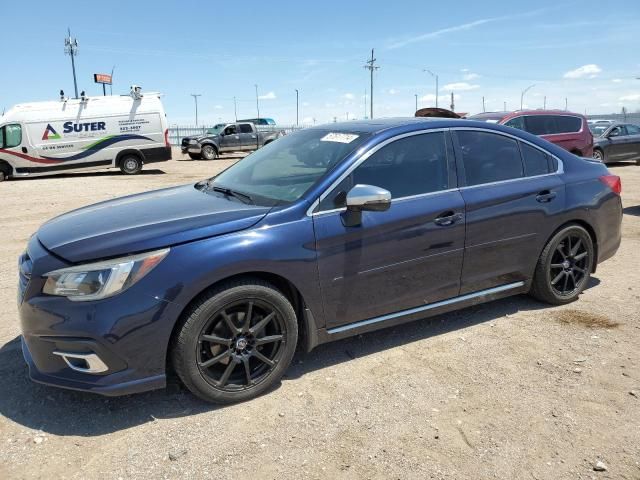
x: 81, y: 134
x: 567, y: 130
x: 616, y: 142
x: 329, y: 232
x: 231, y: 137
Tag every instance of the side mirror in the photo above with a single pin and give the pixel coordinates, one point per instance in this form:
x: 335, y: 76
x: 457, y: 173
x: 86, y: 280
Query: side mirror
x: 365, y: 198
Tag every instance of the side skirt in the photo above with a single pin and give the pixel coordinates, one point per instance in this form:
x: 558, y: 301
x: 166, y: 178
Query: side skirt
x: 425, y: 311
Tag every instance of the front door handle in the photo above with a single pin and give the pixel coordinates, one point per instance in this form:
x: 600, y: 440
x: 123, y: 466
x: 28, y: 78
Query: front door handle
x: 24, y: 150
x: 448, y: 218
x: 545, y: 196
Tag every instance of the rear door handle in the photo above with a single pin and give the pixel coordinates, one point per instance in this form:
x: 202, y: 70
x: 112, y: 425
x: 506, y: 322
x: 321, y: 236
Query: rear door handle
x: 448, y: 218
x: 545, y: 196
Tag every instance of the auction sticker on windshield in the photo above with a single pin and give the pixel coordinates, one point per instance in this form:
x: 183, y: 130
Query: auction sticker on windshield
x: 339, y: 137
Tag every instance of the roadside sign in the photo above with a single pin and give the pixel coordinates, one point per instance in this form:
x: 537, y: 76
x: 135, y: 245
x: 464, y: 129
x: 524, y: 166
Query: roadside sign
x: 103, y: 78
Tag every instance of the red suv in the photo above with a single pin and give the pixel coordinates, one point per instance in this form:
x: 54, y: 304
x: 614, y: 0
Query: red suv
x: 567, y: 130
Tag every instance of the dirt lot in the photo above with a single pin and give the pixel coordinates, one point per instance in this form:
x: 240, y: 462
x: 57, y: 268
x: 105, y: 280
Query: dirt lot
x: 511, y: 389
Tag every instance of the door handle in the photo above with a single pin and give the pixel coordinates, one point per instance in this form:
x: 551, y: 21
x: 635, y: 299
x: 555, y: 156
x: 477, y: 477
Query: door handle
x: 24, y: 150
x: 448, y: 218
x: 545, y: 196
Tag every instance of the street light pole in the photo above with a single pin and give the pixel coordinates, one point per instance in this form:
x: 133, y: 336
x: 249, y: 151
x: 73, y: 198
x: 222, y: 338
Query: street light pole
x: 297, y: 108
x: 111, y: 84
x: 235, y: 108
x: 416, y: 95
x: 523, y: 92
x: 195, y: 97
x: 436, y: 77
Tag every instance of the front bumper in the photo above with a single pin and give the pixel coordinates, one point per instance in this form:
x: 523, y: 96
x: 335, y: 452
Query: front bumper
x: 114, y: 346
x: 191, y: 148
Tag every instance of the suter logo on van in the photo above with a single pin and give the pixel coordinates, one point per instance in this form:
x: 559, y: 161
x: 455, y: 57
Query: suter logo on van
x: 50, y: 133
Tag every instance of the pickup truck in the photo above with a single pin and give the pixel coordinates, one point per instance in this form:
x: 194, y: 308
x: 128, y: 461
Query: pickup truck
x: 228, y: 137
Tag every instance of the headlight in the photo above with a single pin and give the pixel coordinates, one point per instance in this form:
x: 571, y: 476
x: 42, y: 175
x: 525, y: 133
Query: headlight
x: 102, y: 279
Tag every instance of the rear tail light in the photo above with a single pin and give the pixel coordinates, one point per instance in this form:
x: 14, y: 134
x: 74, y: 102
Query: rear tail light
x: 166, y: 138
x: 613, y: 182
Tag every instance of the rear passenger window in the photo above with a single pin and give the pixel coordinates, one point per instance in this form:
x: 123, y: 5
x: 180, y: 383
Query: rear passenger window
x: 489, y: 157
x: 536, y: 162
x: 245, y: 128
x: 568, y: 124
x: 633, y: 130
x: 552, y: 124
x: 410, y: 166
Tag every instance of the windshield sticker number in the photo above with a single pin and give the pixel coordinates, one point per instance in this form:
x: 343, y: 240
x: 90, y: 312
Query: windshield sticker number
x: 339, y: 137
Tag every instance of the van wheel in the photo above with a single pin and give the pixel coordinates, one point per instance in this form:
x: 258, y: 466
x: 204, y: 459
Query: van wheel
x: 236, y: 342
x: 564, y: 267
x: 209, y: 152
x: 130, y: 165
x: 3, y: 176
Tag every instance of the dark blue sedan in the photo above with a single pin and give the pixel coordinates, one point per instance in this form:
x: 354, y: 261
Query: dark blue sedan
x: 326, y: 233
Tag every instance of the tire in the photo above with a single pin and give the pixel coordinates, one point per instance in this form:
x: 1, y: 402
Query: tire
x: 564, y: 267
x: 598, y: 155
x: 221, y: 365
x: 130, y: 165
x: 209, y: 152
x: 194, y: 156
x: 3, y: 176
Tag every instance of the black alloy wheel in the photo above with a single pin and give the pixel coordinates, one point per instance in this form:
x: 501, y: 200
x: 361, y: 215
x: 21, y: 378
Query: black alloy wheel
x: 240, y: 345
x: 564, y: 267
x: 235, y: 341
x: 569, y: 265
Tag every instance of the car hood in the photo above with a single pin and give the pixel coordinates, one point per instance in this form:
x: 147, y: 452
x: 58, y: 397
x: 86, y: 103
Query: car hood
x: 199, y: 138
x: 145, y: 221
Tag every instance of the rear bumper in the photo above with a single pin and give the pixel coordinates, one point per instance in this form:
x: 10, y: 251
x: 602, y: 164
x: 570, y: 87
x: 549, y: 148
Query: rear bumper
x: 158, y: 154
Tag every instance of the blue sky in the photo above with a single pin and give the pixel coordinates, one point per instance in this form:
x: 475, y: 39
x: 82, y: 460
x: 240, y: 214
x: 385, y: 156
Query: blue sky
x: 583, y: 50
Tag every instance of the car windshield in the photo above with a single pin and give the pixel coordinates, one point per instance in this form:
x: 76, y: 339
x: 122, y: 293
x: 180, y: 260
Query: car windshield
x: 216, y: 129
x: 597, y: 129
x: 282, y: 171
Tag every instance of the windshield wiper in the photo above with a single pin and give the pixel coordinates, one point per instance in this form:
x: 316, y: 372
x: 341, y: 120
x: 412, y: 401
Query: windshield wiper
x: 232, y: 193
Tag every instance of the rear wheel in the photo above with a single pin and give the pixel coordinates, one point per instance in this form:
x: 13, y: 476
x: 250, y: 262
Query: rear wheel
x: 236, y: 342
x: 598, y: 154
x: 564, y: 267
x: 130, y: 165
x: 209, y: 152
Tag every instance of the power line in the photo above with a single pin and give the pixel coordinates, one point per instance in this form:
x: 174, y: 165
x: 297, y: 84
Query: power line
x: 370, y: 65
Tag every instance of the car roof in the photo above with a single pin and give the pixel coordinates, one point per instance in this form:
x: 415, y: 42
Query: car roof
x: 382, y: 124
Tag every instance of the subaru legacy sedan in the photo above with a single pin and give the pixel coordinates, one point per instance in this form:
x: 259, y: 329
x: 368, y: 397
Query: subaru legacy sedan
x: 326, y: 233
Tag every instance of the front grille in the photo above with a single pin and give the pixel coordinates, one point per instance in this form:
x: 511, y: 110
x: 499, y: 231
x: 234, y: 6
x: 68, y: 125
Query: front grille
x: 25, y: 266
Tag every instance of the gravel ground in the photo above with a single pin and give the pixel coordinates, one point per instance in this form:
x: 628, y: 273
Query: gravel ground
x: 511, y: 389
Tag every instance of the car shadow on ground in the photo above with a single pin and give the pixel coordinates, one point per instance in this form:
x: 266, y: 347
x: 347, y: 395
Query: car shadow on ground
x: 108, y: 173
x: 63, y: 412
x: 635, y: 210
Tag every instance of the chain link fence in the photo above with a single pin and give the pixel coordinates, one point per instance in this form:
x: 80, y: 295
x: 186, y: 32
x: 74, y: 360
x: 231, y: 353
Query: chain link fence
x: 618, y: 117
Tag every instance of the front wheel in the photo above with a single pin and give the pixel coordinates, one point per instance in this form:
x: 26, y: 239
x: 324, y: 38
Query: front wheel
x: 564, y: 267
x: 130, y: 165
x: 236, y: 342
x: 209, y: 152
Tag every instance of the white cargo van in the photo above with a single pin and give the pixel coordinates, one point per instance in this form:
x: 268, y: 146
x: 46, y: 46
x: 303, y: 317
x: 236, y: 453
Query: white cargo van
x: 123, y: 132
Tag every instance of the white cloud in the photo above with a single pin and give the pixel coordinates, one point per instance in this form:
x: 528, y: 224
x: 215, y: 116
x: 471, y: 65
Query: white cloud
x: 590, y: 71
x: 392, y: 91
x: 617, y: 80
x: 471, y: 76
x: 464, y: 70
x: 218, y: 107
x: 460, y: 86
x: 634, y: 97
x: 268, y: 96
x: 348, y: 96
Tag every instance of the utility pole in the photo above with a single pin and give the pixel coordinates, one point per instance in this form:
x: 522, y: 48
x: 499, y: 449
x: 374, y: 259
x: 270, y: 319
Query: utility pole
x: 505, y: 106
x: 235, y: 108
x: 365, y: 103
x: 371, y: 67
x: 436, y: 77
x: 257, y: 103
x: 544, y: 105
x: 111, y: 84
x: 416, y: 95
x: 71, y: 49
x: 523, y: 93
x: 483, y: 109
x: 566, y: 104
x: 195, y: 97
x: 453, y: 105
x: 297, y: 108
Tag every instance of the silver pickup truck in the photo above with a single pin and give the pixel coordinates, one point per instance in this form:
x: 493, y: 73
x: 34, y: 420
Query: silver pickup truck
x: 228, y: 137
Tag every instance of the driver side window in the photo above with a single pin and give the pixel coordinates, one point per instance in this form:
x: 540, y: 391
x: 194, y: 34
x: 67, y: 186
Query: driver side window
x: 409, y: 166
x: 230, y: 130
x: 10, y: 136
